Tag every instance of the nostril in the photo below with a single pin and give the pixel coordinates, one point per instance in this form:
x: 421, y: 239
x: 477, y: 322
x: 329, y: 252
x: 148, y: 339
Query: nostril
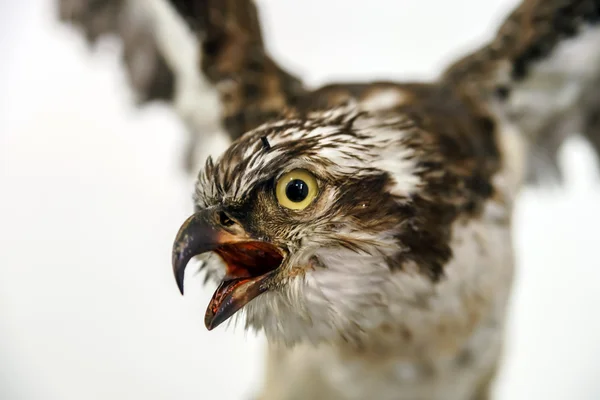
x: 225, y: 220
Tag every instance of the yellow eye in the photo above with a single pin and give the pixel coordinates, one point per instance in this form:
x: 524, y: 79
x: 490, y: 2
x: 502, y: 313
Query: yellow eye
x: 296, y: 189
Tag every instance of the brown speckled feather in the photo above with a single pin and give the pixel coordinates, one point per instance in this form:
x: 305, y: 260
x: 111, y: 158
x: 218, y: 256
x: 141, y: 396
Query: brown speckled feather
x: 253, y: 88
x: 513, y: 61
x: 529, y: 34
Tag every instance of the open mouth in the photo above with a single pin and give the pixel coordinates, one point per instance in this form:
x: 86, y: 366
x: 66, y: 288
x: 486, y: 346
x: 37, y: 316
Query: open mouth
x: 250, y: 264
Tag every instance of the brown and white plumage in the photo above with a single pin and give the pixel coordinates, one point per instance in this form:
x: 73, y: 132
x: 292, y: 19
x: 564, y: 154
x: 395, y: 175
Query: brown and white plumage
x: 392, y: 283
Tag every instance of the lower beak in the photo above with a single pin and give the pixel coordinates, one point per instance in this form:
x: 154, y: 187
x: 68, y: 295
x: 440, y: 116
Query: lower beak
x: 250, y: 264
x: 230, y: 296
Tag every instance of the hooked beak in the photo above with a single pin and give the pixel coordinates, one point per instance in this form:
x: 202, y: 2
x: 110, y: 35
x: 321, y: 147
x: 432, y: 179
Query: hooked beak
x: 250, y: 264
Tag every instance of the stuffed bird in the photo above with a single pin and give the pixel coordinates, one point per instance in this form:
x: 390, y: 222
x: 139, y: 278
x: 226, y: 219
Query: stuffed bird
x: 365, y: 228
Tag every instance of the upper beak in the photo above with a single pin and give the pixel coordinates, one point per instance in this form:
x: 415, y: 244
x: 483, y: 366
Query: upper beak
x: 250, y: 263
x: 197, y: 235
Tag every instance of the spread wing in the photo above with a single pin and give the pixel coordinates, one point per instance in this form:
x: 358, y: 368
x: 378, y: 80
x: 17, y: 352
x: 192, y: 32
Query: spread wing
x: 542, y: 73
x: 206, y: 58
x: 252, y: 87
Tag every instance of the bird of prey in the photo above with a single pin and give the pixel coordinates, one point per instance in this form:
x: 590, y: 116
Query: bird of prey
x: 365, y: 228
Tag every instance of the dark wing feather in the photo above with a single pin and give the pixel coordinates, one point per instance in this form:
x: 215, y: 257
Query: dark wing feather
x: 541, y: 72
x: 149, y: 74
x: 236, y: 86
x: 252, y: 86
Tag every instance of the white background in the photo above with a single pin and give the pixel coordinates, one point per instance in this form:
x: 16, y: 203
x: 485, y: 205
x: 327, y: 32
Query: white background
x: 91, y: 196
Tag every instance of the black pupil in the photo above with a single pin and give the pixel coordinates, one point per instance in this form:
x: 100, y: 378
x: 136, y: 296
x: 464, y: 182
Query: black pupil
x: 296, y: 190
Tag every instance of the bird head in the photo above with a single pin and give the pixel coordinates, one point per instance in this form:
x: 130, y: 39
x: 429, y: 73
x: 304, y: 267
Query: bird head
x: 302, y: 222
